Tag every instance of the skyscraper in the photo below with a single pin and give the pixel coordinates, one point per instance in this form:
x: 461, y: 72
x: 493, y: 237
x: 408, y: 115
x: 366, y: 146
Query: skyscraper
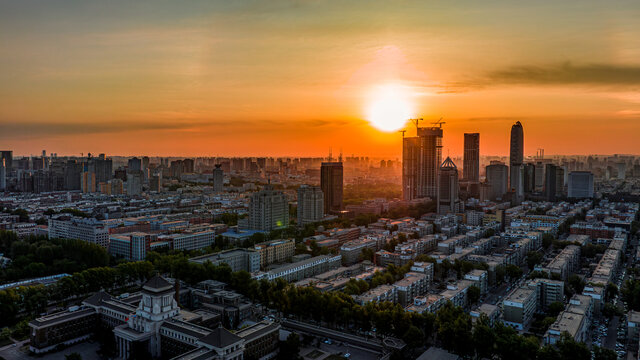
x: 310, y: 204
x: 218, y: 178
x: 580, y: 184
x: 7, y: 155
x: 471, y: 164
x: 448, y: 200
x: 331, y: 182
x: 421, y: 158
x: 550, y: 182
x: 268, y: 210
x: 516, y: 157
x: 497, y: 177
x: 3, y: 174
x: 134, y: 182
x: 134, y: 164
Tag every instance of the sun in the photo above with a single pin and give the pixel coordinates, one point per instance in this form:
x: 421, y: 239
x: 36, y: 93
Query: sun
x: 389, y: 108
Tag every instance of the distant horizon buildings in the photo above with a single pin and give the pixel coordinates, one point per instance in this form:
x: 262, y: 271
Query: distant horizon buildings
x: 421, y: 158
x: 471, y: 162
x: 331, y: 183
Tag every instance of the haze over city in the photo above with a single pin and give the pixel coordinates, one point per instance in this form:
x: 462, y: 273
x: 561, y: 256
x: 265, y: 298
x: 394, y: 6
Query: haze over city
x: 294, y: 78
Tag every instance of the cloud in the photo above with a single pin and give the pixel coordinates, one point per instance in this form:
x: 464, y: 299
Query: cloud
x: 568, y: 74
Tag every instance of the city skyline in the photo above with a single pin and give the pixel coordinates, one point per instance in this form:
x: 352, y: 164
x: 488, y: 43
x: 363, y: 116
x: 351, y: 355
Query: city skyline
x: 170, y: 79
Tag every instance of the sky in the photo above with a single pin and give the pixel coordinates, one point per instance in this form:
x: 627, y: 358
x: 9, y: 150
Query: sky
x: 295, y: 78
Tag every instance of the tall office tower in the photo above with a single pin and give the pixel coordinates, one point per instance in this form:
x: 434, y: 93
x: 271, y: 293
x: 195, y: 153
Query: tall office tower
x: 529, y: 178
x: 540, y: 169
x: 135, y: 164
x: 218, y: 178
x: 145, y: 167
x: 7, y: 155
x: 310, y: 204
x: 421, y: 158
x: 550, y: 182
x: 268, y: 210
x: 471, y: 169
x: 134, y: 182
x: 3, y: 174
x: 448, y: 200
x: 497, y: 177
x: 516, y: 157
x: 331, y: 185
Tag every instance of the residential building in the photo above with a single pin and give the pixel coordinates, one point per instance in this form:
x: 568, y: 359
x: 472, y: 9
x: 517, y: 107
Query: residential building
x: 86, y: 229
x: 268, y: 210
x: 310, y: 204
x: 421, y: 158
x: 519, y: 307
x: 275, y: 251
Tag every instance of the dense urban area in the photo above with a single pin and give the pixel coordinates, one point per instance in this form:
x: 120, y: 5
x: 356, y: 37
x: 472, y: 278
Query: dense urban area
x: 482, y: 257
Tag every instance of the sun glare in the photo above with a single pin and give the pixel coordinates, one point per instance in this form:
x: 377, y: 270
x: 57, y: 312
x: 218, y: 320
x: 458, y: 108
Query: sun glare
x: 389, y: 108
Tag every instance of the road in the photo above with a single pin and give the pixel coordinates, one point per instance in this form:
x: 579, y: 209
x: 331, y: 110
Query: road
x: 358, y: 341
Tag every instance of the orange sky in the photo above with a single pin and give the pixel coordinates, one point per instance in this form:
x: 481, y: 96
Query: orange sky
x: 293, y: 78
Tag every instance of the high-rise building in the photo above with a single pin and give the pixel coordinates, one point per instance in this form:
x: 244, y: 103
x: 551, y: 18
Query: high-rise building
x: 145, y: 167
x: 218, y: 178
x: 7, y: 155
x: 516, y: 157
x: 580, y: 184
x: 134, y: 182
x: 497, y: 177
x: 268, y: 210
x: 529, y: 178
x: 3, y: 174
x: 134, y: 164
x: 310, y: 204
x: 550, y: 182
x: 155, y: 182
x: 331, y: 183
x: 448, y: 200
x: 188, y: 166
x: 421, y: 158
x: 471, y: 164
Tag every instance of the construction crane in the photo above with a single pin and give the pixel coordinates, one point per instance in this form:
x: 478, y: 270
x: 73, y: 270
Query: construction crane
x: 416, y: 122
x: 438, y: 123
x: 402, y: 131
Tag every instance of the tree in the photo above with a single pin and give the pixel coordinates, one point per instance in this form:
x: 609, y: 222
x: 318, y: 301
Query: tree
x: 547, y: 240
x: 611, y: 291
x: 484, y: 338
x: 555, y: 308
x: 569, y: 349
x: 290, y: 348
x: 473, y: 294
x: 600, y: 353
x: 631, y: 294
x: 513, y: 271
x: 414, y: 337
x: 533, y: 258
x: 454, y: 328
x: 576, y: 283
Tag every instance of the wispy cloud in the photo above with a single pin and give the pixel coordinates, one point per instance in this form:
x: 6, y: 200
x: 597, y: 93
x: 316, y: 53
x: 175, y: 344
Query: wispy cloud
x: 568, y: 74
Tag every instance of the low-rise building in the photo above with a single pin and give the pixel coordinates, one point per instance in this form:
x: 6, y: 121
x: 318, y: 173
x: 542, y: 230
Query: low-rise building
x: 519, y: 307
